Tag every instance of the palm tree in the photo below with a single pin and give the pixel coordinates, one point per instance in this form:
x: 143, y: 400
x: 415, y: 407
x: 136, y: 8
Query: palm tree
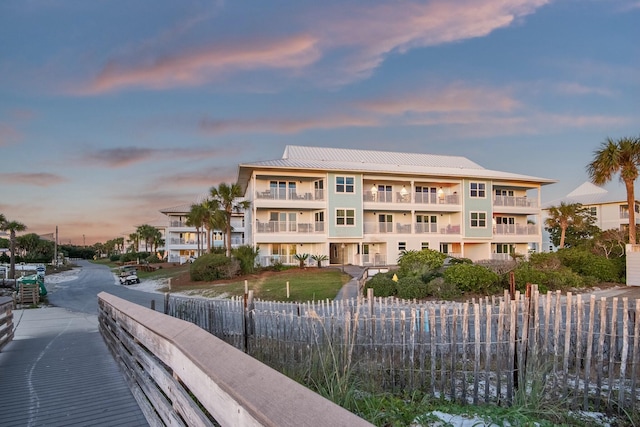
x: 226, y: 196
x: 195, y: 218
x: 564, y: 216
x: 134, y: 238
x: 623, y: 157
x: 12, y: 227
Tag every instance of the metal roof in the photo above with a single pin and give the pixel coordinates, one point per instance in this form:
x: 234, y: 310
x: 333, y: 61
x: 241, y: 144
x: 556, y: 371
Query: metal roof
x: 385, y: 162
x: 588, y: 194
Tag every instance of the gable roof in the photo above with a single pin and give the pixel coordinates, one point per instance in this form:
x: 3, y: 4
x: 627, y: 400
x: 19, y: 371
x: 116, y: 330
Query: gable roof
x: 589, y: 194
x: 372, y: 161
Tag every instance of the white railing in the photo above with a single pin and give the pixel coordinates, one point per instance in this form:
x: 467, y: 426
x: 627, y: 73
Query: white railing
x: 518, y: 202
x: 373, y: 259
x: 425, y: 227
x: 515, y: 229
x: 281, y: 194
x: 185, y: 241
x: 289, y: 227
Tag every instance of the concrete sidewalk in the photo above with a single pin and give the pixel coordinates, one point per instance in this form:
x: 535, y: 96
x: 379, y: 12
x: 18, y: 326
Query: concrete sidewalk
x: 631, y: 292
x: 350, y: 289
x: 58, y: 371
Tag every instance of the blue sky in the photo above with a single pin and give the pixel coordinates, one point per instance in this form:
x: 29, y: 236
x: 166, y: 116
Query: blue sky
x: 112, y: 110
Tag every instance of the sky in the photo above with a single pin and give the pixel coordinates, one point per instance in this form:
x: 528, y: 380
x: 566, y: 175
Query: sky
x: 111, y: 110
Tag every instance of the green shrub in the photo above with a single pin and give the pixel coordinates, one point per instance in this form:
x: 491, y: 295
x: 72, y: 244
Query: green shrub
x: 419, y: 263
x: 439, y: 288
x: 382, y: 284
x: 211, y: 267
x: 471, y: 278
x: 246, y: 256
x: 153, y: 259
x: 545, y: 261
x: 586, y: 263
x: 411, y: 287
x: 563, y: 278
x: 112, y: 258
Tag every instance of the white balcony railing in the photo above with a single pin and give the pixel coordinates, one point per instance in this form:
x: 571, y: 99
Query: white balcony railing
x: 423, y: 227
x: 515, y: 229
x: 518, y: 202
x: 289, y: 227
x: 282, y: 194
x: 373, y: 259
x: 437, y: 199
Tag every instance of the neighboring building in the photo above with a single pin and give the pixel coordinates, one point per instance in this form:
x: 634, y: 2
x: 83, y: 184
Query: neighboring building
x: 181, y: 240
x: 161, y: 226
x: 610, y: 209
x: 365, y: 207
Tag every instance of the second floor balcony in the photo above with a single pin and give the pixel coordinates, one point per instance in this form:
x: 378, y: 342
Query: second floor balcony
x: 285, y: 194
x: 289, y: 227
x: 401, y: 228
x: 515, y: 201
x: 516, y: 229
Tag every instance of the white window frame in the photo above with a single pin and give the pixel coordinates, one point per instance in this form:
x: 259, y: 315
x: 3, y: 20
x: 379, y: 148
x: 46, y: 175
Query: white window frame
x: 478, y: 219
x: 345, y: 217
x: 345, y: 186
x: 480, y: 190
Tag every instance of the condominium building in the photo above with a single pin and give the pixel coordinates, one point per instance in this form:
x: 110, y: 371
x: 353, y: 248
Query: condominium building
x: 181, y: 240
x: 610, y: 209
x: 365, y: 207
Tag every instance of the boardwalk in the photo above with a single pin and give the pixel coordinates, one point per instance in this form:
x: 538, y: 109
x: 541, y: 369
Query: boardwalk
x: 58, y: 372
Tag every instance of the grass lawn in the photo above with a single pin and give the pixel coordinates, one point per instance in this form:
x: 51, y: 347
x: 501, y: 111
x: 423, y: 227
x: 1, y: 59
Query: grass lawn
x: 304, y: 285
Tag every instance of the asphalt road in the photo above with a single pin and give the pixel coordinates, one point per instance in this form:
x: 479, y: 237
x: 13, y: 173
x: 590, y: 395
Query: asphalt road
x: 80, y: 295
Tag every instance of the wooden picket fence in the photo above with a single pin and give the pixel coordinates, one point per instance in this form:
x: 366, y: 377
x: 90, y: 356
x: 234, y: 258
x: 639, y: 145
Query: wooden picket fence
x: 574, y: 349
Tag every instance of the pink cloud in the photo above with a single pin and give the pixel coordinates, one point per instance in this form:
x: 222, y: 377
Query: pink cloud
x: 202, y: 65
x: 37, y: 179
x: 376, y: 31
x: 454, y: 98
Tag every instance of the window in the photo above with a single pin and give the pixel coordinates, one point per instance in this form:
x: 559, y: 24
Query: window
x: 426, y: 224
x: 385, y: 223
x: 593, y: 210
x: 345, y: 184
x: 505, y: 249
x: 424, y: 245
x: 346, y: 217
x: 478, y: 189
x: 478, y: 219
x: 280, y: 222
x: 283, y: 189
x: 444, y: 248
x: 319, y: 220
x: 505, y: 224
x: 402, y: 246
x: 505, y: 193
x: 426, y: 194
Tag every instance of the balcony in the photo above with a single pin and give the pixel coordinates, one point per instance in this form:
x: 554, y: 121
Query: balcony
x: 373, y: 259
x: 289, y: 195
x: 386, y: 197
x: 516, y: 230
x: 178, y: 224
x: 423, y: 227
x: 437, y: 199
x: 517, y: 202
x: 175, y: 241
x: 289, y: 227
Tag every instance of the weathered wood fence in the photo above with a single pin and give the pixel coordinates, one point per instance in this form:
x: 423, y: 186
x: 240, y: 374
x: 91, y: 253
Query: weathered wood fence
x: 6, y: 320
x: 574, y: 349
x: 183, y: 376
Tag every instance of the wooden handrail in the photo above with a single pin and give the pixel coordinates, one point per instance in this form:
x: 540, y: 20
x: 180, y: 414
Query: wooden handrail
x: 160, y: 352
x: 6, y: 320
